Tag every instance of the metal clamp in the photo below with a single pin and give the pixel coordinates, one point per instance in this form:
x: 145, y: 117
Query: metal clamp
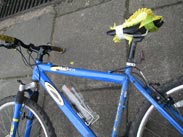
x: 23, y: 87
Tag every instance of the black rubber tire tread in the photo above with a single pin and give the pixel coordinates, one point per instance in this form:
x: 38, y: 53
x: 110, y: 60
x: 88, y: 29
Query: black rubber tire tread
x: 145, y: 106
x: 38, y: 110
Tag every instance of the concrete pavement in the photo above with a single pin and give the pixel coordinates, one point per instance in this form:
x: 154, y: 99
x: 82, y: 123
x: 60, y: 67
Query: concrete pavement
x: 80, y: 26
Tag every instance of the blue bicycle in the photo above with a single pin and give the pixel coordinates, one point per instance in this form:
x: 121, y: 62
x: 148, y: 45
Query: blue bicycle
x: 160, y: 116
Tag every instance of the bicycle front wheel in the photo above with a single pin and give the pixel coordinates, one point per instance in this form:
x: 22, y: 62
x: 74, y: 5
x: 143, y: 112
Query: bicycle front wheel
x: 40, y: 127
x: 149, y: 122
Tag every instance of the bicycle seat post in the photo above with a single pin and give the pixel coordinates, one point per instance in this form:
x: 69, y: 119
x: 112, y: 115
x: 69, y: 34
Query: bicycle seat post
x: 132, y: 48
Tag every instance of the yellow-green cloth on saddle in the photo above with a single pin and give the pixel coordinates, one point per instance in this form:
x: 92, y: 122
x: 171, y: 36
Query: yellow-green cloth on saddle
x: 144, y: 17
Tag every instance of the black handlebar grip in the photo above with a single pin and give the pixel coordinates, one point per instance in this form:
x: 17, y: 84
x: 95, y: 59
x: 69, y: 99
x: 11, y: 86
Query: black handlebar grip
x: 58, y: 49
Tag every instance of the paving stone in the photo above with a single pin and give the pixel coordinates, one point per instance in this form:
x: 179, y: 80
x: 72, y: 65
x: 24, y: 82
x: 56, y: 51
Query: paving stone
x: 135, y: 4
x: 68, y: 6
x: 10, y: 87
x: 83, y: 34
x: 163, y: 49
x: 36, y: 30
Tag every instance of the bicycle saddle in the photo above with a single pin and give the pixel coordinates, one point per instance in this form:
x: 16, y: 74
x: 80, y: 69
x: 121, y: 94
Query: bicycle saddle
x: 141, y: 22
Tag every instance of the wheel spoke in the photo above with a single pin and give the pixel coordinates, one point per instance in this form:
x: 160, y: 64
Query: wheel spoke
x: 3, y: 124
x: 162, y: 124
x: 2, y: 131
x: 153, y: 133
x: 8, y: 116
x: 39, y: 125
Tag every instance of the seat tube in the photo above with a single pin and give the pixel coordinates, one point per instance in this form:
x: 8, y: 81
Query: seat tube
x: 121, y: 107
x: 16, y: 114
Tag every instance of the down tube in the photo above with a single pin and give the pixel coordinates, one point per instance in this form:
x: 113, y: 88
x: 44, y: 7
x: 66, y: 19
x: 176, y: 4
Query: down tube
x: 66, y: 108
x: 155, y: 104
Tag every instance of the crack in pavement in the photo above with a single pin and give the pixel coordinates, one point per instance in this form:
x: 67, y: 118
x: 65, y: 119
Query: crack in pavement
x: 167, y: 5
x: 16, y: 77
x: 83, y: 8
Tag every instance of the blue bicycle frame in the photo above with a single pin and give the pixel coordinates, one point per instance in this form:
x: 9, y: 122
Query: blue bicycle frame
x: 39, y: 74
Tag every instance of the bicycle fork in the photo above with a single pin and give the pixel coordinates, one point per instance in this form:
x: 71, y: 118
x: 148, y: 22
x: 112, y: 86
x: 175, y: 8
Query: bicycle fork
x: 19, y: 100
x: 17, y: 112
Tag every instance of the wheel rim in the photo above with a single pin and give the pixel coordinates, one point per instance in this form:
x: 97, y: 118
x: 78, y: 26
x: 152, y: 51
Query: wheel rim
x: 151, y: 108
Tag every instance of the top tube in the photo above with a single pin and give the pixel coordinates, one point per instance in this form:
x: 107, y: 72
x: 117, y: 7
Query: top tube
x: 77, y: 72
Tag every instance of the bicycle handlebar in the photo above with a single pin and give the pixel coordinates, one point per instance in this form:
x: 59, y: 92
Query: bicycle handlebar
x: 12, y: 43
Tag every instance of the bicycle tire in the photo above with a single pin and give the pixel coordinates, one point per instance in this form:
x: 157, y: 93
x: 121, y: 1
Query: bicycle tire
x: 42, y: 126
x: 149, y: 123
